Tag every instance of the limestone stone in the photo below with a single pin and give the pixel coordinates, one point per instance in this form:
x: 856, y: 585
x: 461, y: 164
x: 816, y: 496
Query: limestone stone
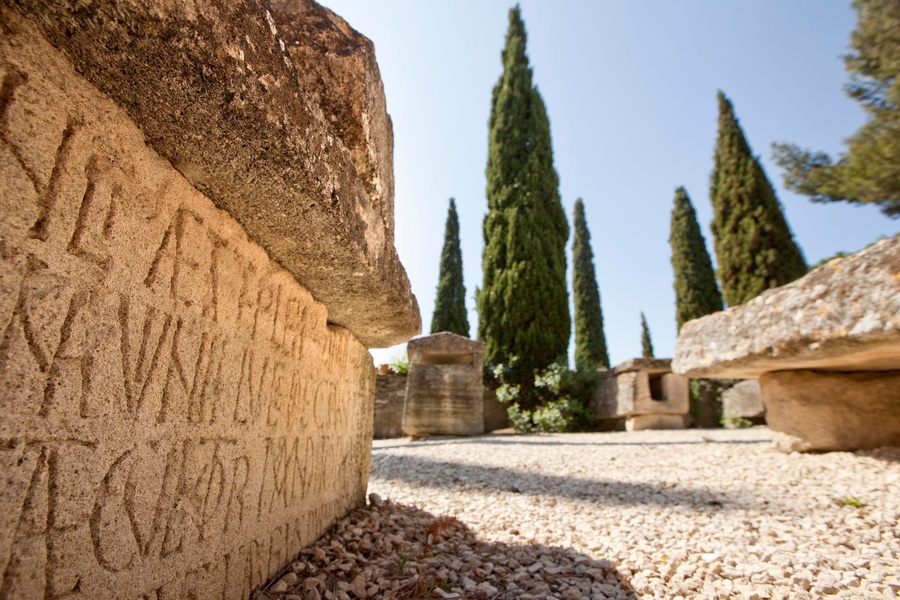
x: 822, y: 347
x: 390, y: 394
x: 178, y: 415
x: 302, y: 162
x: 820, y: 411
x: 640, y: 387
x: 743, y: 399
x: 641, y: 422
x: 843, y: 316
x: 444, y: 393
x: 495, y: 414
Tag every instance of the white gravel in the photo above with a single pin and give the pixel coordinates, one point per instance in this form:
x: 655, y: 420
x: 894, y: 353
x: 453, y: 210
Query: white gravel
x: 678, y: 514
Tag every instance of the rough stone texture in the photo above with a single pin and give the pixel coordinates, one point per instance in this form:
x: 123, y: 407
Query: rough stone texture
x: 216, y: 92
x: 642, y: 422
x: 819, y: 411
x: 743, y: 399
x: 843, y: 316
x: 177, y: 417
x: 444, y: 393
x: 640, y: 387
x: 495, y: 415
x: 390, y: 394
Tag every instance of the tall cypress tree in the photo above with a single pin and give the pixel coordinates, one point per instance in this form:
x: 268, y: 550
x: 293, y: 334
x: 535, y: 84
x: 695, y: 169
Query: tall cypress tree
x: 755, y: 248
x: 523, y: 305
x: 646, y: 344
x: 450, y: 305
x: 696, y: 291
x: 590, y: 343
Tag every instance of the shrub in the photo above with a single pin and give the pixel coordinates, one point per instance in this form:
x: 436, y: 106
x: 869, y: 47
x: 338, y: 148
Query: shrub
x: 400, y: 365
x: 562, y: 399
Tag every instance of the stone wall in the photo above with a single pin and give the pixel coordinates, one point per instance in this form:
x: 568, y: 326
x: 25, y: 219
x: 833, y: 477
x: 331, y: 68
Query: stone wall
x: 178, y: 417
x: 390, y: 394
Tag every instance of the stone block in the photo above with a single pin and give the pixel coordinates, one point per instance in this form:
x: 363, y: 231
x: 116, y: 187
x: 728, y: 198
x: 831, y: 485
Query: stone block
x: 821, y: 411
x: 445, y: 392
x: 178, y: 415
x: 744, y: 400
x: 303, y: 163
x: 495, y: 414
x: 640, y: 387
x: 390, y: 394
x: 843, y: 316
x: 641, y: 422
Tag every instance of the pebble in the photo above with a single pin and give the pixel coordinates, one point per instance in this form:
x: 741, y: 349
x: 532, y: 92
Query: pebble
x: 651, y: 514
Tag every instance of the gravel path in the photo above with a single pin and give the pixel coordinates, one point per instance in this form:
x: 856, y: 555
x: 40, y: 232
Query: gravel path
x: 667, y: 514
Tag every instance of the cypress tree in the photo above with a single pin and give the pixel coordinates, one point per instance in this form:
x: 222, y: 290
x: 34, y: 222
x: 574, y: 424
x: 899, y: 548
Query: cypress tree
x: 867, y: 172
x: 755, y: 248
x: 696, y: 291
x: 590, y: 343
x: 523, y: 304
x: 646, y: 344
x: 450, y: 304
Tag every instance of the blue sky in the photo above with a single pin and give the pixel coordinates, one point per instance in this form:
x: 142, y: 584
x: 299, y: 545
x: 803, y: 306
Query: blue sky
x: 630, y: 88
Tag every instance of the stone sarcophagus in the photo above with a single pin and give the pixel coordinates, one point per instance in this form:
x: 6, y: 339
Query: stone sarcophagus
x: 825, y: 349
x: 445, y: 390
x: 185, y: 388
x: 645, y: 393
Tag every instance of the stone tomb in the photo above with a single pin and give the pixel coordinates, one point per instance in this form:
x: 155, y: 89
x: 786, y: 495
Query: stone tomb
x: 179, y: 415
x: 825, y: 348
x: 645, y: 393
x: 445, y: 390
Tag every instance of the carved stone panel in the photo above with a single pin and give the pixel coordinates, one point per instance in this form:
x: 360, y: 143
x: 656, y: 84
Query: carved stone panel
x: 177, y: 419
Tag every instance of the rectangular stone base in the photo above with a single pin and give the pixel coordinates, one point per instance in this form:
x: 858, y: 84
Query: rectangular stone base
x: 654, y: 422
x: 821, y: 411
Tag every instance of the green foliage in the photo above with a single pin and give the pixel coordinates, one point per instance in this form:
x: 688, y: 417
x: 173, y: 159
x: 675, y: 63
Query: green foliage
x: 755, y: 248
x: 590, y: 343
x: 450, y: 304
x: 852, y: 501
x: 559, y: 399
x: 736, y: 423
x: 523, y: 303
x: 646, y: 343
x: 400, y: 365
x: 696, y: 291
x: 868, y: 172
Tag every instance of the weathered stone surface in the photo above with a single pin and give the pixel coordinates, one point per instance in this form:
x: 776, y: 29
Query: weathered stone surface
x: 641, y: 422
x: 843, y: 316
x: 213, y: 87
x: 820, y: 411
x: 390, y: 394
x: 640, y: 387
x: 444, y: 393
x: 495, y: 415
x: 743, y: 399
x: 337, y: 66
x: 177, y: 417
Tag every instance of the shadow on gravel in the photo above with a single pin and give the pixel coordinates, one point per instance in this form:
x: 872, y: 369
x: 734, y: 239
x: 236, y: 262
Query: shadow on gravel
x: 423, y: 472
x: 392, y: 551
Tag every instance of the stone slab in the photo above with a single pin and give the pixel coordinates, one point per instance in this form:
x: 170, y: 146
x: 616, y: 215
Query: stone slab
x: 629, y: 394
x: 302, y: 163
x: 843, y: 316
x: 444, y: 400
x: 743, y: 399
x: 177, y: 416
x: 822, y: 411
x: 642, y: 422
x: 390, y: 395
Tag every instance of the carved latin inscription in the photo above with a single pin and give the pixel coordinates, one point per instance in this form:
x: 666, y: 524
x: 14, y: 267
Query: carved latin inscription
x: 176, y: 417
